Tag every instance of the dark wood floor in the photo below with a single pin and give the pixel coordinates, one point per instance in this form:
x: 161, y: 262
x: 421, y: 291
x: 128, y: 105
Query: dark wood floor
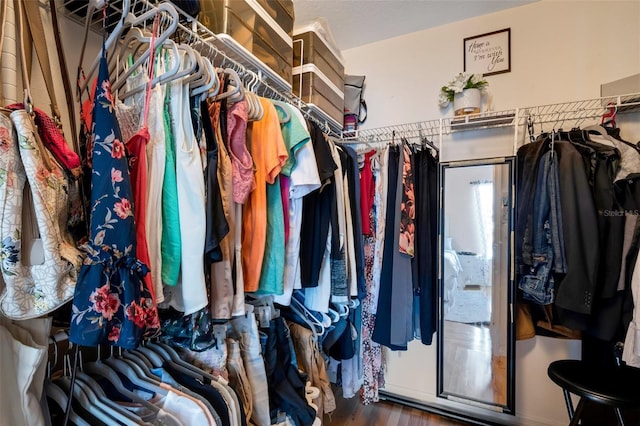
x: 384, y: 413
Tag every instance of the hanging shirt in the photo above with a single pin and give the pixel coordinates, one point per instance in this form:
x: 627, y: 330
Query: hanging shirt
x: 221, y: 291
x: 217, y: 225
x: 316, y: 216
x: 381, y: 173
x: 303, y: 180
x: 367, y: 192
x: 136, y: 143
x: 156, y: 158
x: 191, y: 293
x: 269, y: 155
x: 407, y: 206
x: 171, y: 250
x: 243, y: 179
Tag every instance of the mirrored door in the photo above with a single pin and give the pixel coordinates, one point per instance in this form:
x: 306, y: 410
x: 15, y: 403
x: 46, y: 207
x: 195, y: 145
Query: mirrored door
x: 475, y: 339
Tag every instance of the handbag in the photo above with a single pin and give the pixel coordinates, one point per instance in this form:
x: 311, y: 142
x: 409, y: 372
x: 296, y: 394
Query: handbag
x: 355, y: 107
x: 33, y: 186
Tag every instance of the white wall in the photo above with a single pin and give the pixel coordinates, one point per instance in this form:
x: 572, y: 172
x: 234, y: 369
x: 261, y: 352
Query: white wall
x: 71, y: 35
x: 561, y: 51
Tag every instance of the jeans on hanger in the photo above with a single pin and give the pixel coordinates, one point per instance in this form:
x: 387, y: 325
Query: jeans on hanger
x: 238, y: 377
x: 245, y: 330
x: 547, y: 255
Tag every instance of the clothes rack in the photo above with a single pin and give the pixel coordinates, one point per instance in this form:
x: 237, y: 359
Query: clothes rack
x: 560, y: 114
x: 223, y: 51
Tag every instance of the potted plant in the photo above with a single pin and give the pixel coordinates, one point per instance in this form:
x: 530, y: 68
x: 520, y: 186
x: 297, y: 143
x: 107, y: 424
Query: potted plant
x: 465, y: 91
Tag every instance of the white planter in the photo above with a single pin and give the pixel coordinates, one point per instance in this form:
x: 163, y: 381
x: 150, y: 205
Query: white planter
x: 467, y: 102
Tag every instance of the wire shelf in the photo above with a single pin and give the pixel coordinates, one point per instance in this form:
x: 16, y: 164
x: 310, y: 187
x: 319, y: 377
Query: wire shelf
x: 574, y: 112
x: 221, y: 49
x: 579, y: 111
x: 428, y: 129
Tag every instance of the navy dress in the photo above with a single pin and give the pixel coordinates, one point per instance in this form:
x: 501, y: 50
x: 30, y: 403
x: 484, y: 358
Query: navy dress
x: 112, y: 304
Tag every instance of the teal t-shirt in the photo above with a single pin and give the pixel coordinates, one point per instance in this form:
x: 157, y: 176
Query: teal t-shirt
x: 294, y: 135
x: 170, y: 246
x: 272, y: 275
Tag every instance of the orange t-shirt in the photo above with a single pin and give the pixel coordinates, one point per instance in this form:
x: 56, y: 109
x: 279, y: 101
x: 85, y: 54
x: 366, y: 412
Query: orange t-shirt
x: 269, y: 155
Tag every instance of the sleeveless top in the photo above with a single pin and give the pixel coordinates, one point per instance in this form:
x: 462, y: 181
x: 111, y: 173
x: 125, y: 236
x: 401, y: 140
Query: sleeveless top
x: 190, y: 295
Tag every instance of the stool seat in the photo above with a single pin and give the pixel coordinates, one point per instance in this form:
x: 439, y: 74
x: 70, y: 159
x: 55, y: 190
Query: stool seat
x: 617, y: 387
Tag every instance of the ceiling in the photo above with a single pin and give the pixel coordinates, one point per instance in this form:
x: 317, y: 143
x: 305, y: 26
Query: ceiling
x: 354, y: 23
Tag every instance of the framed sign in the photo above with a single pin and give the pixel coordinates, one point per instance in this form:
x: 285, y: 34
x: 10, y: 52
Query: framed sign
x: 489, y: 53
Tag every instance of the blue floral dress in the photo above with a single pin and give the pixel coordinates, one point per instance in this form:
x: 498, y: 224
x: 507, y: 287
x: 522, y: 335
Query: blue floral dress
x: 112, y: 304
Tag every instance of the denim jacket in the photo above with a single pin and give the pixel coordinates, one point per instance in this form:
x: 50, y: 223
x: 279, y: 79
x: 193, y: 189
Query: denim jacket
x: 547, y: 252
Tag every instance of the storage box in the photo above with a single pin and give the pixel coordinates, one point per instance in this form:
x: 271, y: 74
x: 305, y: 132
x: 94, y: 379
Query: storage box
x: 310, y: 48
x: 313, y: 87
x: 254, y: 29
x: 281, y: 11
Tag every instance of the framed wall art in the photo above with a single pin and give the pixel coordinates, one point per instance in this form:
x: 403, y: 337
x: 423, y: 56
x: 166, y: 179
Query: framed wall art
x: 489, y: 53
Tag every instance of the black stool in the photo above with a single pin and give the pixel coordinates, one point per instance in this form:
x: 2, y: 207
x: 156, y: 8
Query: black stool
x: 617, y: 387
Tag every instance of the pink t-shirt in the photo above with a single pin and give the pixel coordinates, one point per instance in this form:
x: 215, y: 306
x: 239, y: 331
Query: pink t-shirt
x: 241, y: 162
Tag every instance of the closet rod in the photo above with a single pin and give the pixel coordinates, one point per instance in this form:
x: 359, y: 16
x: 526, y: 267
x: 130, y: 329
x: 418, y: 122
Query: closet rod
x: 574, y: 111
x: 226, y: 52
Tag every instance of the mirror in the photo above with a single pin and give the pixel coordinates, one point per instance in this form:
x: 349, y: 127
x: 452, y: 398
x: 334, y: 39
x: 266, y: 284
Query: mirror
x: 475, y: 339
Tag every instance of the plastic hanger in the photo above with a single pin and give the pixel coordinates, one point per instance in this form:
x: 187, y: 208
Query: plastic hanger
x: 235, y: 88
x: 257, y: 111
x: 114, y: 57
x: 610, y: 116
x: 187, y: 62
x: 115, y: 35
x: 143, y: 363
x: 286, y: 115
x: 312, y: 322
x: 615, y: 141
x: 173, y: 355
x: 197, y: 76
x: 597, y: 129
x: 163, y: 78
x: 100, y: 369
x: 189, y: 370
x: 205, y: 77
x: 81, y: 398
x: 156, y: 360
x: 133, y: 20
x: 240, y: 94
x: 212, y: 84
x: 93, y: 389
x: 95, y: 401
x: 136, y: 377
x: 158, y: 78
x: 57, y: 395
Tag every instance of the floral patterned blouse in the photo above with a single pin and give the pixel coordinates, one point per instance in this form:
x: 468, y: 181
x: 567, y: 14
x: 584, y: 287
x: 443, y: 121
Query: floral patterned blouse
x: 112, y: 304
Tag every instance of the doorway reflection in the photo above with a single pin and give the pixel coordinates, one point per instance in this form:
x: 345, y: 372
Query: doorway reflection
x: 475, y: 328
